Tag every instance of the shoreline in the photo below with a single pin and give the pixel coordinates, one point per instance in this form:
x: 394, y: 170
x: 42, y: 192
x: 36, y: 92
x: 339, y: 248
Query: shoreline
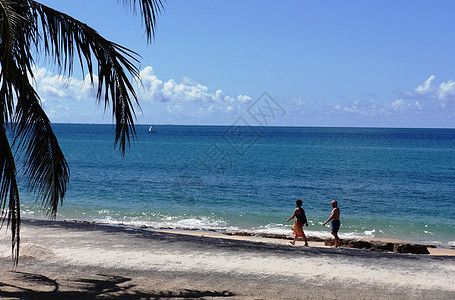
x: 313, y: 242
x: 283, y: 239
x: 75, y: 260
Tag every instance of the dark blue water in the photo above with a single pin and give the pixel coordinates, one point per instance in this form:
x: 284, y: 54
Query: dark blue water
x: 388, y: 182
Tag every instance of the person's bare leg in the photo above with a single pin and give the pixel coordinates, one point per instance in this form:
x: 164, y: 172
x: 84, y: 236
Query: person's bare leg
x: 336, y: 240
x: 305, y: 239
x: 295, y: 239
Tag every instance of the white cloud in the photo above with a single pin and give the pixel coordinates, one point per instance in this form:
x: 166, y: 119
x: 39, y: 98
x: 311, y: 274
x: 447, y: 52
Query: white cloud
x: 298, y: 102
x: 153, y: 89
x: 186, y: 101
x: 189, y: 99
x: 428, y: 105
x: 445, y: 92
x: 426, y: 86
x: 50, y: 86
x: 244, y: 99
x: 398, y: 105
x: 174, y: 108
x: 162, y: 101
x: 418, y: 105
x: 365, y: 112
x: 365, y: 108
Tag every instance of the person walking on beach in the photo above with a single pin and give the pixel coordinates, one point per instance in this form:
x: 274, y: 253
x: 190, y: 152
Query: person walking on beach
x: 300, y: 220
x: 335, y: 218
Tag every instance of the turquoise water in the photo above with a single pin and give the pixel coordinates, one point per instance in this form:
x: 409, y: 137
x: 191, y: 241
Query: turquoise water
x: 395, y: 183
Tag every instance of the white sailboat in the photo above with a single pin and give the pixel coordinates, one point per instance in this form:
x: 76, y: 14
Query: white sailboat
x: 150, y: 130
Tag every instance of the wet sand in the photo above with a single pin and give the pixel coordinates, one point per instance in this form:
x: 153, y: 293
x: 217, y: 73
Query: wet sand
x: 66, y: 260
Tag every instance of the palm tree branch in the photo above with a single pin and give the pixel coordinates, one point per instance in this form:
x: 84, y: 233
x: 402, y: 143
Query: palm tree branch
x: 25, y: 24
x: 62, y: 34
x: 45, y: 166
x: 149, y: 12
x: 10, y: 22
x: 9, y: 193
x: 15, y: 36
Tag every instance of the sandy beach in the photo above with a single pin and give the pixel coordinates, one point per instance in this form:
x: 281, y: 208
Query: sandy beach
x: 66, y: 260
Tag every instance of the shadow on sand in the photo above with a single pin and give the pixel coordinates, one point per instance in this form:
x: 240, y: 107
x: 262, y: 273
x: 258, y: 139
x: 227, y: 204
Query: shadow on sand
x: 36, y: 286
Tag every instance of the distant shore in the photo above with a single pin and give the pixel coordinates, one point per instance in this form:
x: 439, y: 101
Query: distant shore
x: 83, y: 260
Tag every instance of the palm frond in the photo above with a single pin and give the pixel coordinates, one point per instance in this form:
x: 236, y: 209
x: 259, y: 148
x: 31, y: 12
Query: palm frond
x: 61, y: 34
x: 9, y: 193
x: 26, y: 25
x: 10, y: 23
x: 45, y: 165
x: 15, y: 54
x: 149, y: 9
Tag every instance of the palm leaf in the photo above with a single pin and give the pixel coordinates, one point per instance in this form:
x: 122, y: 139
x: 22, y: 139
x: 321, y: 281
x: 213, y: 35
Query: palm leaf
x: 149, y: 12
x: 11, y: 40
x: 26, y: 25
x: 9, y: 193
x: 45, y: 165
x: 10, y: 22
x: 62, y: 35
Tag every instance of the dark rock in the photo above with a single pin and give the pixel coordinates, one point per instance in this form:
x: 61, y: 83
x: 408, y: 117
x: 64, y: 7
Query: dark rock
x: 381, y: 246
x: 410, y: 248
x: 275, y: 236
x: 242, y: 233
x: 378, y: 246
x: 359, y: 244
x: 330, y: 242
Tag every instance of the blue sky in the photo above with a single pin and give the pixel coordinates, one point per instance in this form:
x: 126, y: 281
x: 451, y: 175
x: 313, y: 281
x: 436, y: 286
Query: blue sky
x: 327, y: 63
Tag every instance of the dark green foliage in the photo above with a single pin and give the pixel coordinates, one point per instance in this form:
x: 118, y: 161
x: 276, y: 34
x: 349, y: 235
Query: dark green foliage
x: 28, y: 28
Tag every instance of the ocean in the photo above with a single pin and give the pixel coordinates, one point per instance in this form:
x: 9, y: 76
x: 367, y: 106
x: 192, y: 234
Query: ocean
x: 389, y: 183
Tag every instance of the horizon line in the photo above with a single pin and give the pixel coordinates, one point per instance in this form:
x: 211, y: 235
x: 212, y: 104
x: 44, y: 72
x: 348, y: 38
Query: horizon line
x: 259, y: 126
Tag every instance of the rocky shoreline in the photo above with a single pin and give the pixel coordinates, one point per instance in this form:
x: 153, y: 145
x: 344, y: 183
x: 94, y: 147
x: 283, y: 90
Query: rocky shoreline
x: 371, y: 245
x: 379, y: 246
